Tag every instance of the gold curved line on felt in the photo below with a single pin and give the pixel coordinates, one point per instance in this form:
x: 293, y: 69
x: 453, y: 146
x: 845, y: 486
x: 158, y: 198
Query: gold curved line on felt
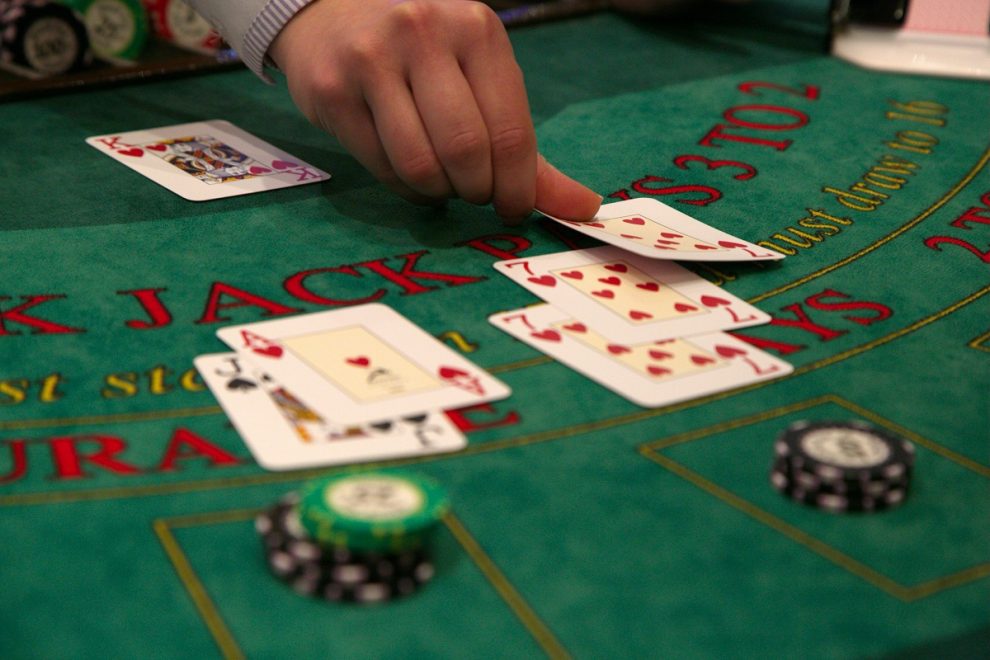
x: 794, y: 533
x: 533, y: 438
x: 142, y: 416
x: 197, y: 592
x: 225, y: 639
x: 539, y: 630
x: 965, y: 181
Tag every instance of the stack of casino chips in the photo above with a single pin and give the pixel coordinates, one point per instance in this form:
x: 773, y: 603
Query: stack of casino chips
x: 842, y: 466
x: 362, y: 538
x: 176, y: 22
x: 40, y: 38
x: 117, y: 29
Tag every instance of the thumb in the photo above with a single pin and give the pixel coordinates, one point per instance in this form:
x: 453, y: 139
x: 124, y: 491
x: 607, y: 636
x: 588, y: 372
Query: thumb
x: 561, y: 196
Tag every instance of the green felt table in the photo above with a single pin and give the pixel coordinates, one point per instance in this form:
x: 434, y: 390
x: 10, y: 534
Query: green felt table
x: 581, y: 525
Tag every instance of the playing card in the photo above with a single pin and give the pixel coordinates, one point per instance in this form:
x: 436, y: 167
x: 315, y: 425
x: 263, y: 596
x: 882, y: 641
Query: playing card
x: 283, y: 434
x: 207, y: 160
x: 653, y: 229
x: 651, y: 373
x: 629, y: 297
x: 362, y: 363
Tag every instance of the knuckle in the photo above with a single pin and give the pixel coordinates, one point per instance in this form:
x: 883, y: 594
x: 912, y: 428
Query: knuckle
x: 482, y: 18
x: 415, y: 17
x: 420, y: 170
x: 364, y: 52
x: 513, y: 143
x: 464, y: 148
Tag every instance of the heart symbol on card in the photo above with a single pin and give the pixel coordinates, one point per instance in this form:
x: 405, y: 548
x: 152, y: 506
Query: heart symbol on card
x: 573, y: 275
x: 448, y: 373
x: 134, y: 151
x: 576, y: 327
x: 612, y: 280
x: 631, y: 236
x: 637, y: 315
x: 659, y: 355
x: 713, y: 301
x: 544, y: 280
x: 731, y: 244
x: 617, y: 349
x: 156, y: 147
x: 270, y: 351
x: 663, y: 241
x: 634, y: 221
x: 283, y: 164
x: 604, y: 293
x: 729, y: 351
x: 699, y: 246
x: 549, y: 335
x: 648, y: 286
x: 359, y: 361
x: 670, y: 234
x: 258, y: 169
x: 616, y: 268
x: 595, y: 224
x: 702, y: 359
x: 684, y: 307
x: 654, y: 370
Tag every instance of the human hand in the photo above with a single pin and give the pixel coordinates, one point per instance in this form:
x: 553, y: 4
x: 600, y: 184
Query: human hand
x: 427, y: 95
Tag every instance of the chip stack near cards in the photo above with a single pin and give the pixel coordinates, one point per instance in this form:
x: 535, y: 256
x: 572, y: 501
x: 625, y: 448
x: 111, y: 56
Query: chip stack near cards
x: 359, y: 538
x: 629, y: 318
x: 346, y: 386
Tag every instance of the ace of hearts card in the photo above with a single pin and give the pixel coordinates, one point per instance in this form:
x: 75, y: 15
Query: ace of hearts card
x: 207, y: 160
x: 362, y: 363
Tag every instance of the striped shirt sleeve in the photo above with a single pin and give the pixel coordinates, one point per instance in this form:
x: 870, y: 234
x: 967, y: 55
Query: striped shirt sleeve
x: 250, y: 26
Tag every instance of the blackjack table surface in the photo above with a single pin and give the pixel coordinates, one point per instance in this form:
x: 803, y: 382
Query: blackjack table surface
x: 581, y: 524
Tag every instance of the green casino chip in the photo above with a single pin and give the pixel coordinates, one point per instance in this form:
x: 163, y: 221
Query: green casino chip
x: 117, y: 29
x: 385, y: 511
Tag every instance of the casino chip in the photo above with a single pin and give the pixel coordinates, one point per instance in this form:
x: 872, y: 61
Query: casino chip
x: 380, y: 511
x: 117, y: 29
x: 177, y: 22
x: 41, y: 38
x: 842, y: 466
x: 336, y: 573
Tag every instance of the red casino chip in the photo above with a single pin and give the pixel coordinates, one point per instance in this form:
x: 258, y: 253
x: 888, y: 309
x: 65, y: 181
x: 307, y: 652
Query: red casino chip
x: 176, y: 22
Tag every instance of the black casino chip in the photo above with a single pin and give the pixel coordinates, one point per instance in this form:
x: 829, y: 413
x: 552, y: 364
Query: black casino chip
x: 842, y: 466
x: 336, y: 573
x: 41, y: 38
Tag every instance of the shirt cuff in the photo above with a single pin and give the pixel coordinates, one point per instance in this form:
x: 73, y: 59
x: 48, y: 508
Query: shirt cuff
x: 263, y: 30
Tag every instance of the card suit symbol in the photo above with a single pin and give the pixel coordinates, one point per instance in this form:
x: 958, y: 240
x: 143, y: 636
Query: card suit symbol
x: 133, y: 151
x: 670, y: 234
x: 632, y: 236
x: 659, y: 355
x: 713, y: 301
x: 156, y: 147
x: 594, y: 224
x: 729, y: 351
x: 663, y: 241
x: 702, y: 246
x: 731, y: 244
x: 612, y: 280
x: 241, y: 384
x: 359, y: 361
x: 576, y: 327
x: 415, y: 419
x: 283, y: 164
x: 549, y: 335
x: 702, y: 359
x: 573, y: 275
x: 654, y: 370
x: 684, y: 307
x: 604, y: 293
x: 617, y: 268
x: 617, y: 349
x: 661, y: 342
x: 648, y: 286
x: 634, y: 221
x: 544, y: 280
x: 448, y: 373
x: 637, y: 315
x: 381, y: 426
x: 258, y: 169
